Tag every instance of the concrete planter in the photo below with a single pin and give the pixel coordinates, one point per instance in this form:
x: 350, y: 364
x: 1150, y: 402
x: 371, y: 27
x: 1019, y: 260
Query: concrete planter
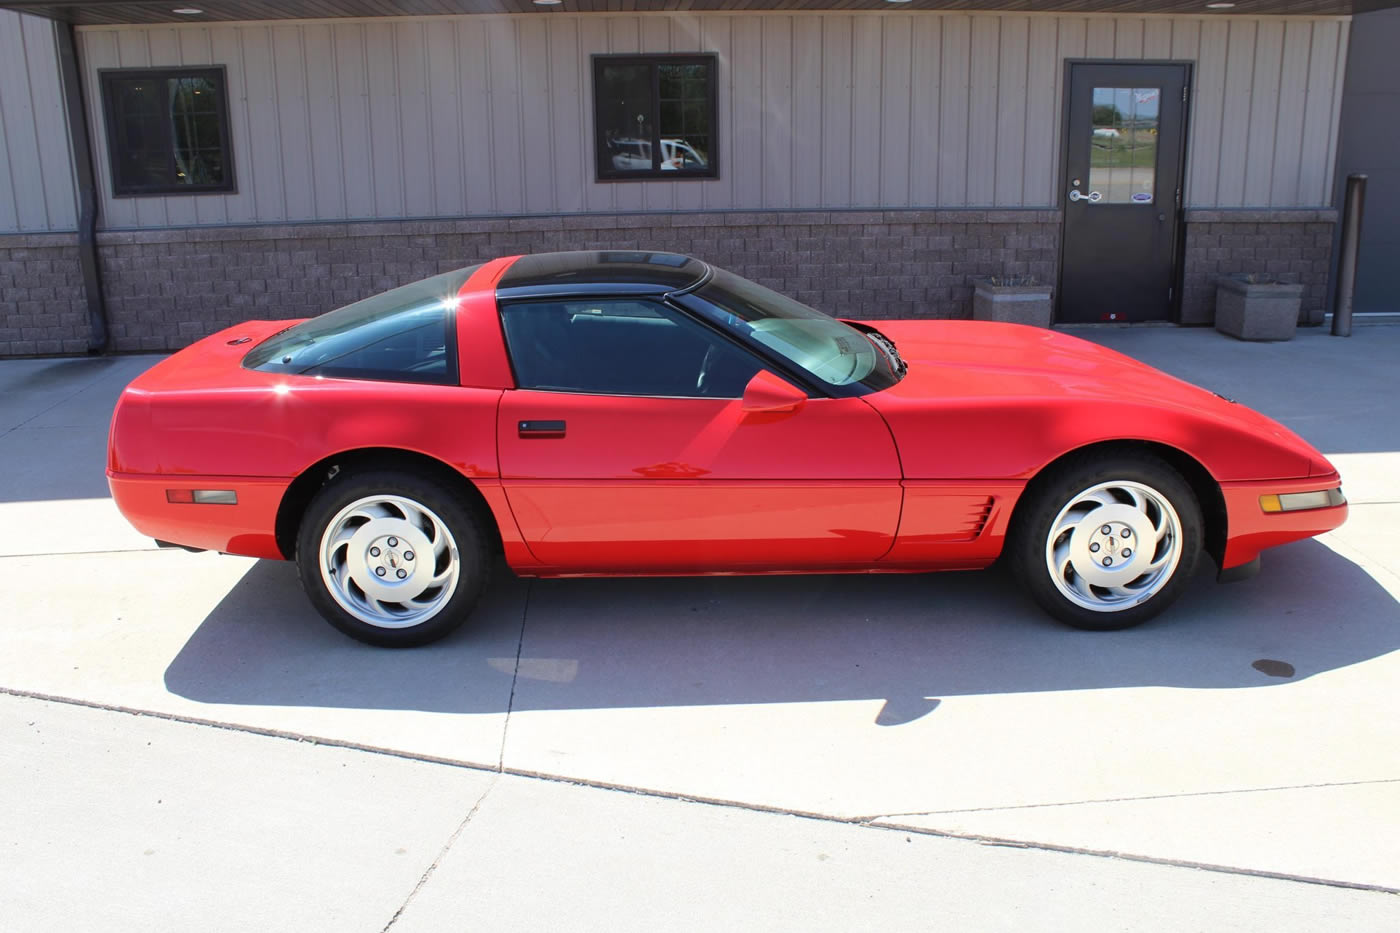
x: 1256, y: 310
x: 1015, y: 304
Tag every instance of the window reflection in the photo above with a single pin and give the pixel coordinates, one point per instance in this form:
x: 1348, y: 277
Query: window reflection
x: 1123, y: 148
x: 654, y: 115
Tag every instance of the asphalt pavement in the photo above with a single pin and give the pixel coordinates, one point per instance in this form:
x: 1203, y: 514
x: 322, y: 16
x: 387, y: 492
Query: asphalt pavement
x: 188, y: 746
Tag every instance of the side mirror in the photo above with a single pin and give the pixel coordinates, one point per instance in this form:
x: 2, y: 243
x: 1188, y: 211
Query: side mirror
x: 767, y: 393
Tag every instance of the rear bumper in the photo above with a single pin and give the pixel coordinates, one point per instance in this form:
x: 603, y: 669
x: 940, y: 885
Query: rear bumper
x: 1252, y: 530
x: 247, y: 527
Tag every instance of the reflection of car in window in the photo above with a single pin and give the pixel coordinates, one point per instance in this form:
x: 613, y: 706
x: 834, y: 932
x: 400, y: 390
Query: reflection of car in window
x: 632, y: 155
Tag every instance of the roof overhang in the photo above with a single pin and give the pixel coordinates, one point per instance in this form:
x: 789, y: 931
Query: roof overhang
x: 100, y: 12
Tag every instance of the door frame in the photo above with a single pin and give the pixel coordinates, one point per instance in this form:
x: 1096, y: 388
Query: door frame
x: 1062, y: 183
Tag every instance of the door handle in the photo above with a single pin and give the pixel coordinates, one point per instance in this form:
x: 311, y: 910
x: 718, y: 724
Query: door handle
x: 1076, y: 195
x: 540, y: 429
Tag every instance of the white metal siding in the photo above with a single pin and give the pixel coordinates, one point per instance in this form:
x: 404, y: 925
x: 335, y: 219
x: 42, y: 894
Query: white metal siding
x: 446, y: 116
x: 36, y: 171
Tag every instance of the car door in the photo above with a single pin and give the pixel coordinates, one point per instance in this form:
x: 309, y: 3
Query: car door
x: 627, y: 449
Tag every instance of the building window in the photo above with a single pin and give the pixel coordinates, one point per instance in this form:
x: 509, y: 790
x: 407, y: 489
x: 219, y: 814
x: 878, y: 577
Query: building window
x: 654, y: 116
x: 167, y: 130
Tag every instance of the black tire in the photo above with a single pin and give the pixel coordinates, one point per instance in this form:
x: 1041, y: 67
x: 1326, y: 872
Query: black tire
x: 443, y: 608
x: 1063, y: 487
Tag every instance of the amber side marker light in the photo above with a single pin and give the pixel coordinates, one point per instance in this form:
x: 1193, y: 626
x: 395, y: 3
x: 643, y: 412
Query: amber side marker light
x: 202, y: 496
x: 1298, y: 501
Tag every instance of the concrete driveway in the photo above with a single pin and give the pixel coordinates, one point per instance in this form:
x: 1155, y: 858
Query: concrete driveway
x: 957, y: 748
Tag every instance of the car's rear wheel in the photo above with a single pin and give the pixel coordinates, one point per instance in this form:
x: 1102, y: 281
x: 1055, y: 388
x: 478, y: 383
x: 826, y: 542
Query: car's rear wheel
x: 390, y: 558
x: 1107, y: 543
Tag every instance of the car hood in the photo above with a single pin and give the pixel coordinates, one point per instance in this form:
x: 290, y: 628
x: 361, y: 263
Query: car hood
x: 1011, y: 366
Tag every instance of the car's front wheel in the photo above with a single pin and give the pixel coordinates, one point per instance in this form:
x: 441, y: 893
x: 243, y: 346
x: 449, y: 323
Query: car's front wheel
x: 1107, y: 543
x: 392, y: 559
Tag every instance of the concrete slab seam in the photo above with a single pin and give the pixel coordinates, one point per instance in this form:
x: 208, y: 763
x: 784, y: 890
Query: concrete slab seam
x: 864, y: 822
x: 1079, y: 803
x: 442, y: 853
x: 515, y: 674
x: 1134, y: 857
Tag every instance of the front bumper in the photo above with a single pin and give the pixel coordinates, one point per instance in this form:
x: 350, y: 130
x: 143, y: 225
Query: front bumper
x: 1252, y: 530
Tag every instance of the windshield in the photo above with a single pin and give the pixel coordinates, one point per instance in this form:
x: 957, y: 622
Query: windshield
x: 836, y: 354
x: 405, y: 334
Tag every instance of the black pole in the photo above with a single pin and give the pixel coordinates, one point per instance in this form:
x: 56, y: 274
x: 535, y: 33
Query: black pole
x: 87, y: 187
x: 1346, y: 258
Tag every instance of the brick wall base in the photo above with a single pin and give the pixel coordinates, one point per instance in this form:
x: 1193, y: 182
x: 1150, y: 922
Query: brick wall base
x: 167, y: 288
x: 1294, y: 246
x: 42, y: 308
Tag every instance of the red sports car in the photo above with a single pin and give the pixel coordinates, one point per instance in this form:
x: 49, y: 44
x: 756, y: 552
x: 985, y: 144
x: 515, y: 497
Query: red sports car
x: 626, y: 413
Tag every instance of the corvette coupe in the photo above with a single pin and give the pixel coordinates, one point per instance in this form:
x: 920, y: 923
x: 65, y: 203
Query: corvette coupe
x: 625, y: 413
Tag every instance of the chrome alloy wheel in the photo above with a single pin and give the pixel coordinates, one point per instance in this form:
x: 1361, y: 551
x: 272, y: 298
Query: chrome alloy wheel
x: 389, y: 561
x: 1113, y: 546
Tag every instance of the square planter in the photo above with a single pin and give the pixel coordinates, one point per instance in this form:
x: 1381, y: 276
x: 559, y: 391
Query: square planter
x: 1015, y: 304
x: 1256, y: 310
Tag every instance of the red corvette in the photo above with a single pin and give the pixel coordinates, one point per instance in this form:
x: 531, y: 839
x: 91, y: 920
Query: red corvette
x: 623, y: 413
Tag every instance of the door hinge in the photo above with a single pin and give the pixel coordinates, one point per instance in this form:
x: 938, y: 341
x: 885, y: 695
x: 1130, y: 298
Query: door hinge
x: 1171, y: 290
x: 1185, y: 90
x: 1178, y: 199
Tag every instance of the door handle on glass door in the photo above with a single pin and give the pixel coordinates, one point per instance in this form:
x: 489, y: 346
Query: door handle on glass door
x: 1077, y: 195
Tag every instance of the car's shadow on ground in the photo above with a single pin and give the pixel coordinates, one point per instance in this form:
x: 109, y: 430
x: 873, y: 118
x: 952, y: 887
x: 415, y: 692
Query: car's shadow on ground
x: 908, y: 640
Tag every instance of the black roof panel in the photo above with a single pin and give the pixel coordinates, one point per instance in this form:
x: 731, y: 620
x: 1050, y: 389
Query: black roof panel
x: 631, y: 271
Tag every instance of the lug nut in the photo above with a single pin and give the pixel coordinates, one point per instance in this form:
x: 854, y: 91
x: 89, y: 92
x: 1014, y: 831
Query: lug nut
x: 1127, y: 552
x: 402, y: 573
x: 379, y: 570
x: 1108, y: 561
x: 408, y: 555
x: 1094, y: 546
x: 393, y: 542
x: 1127, y: 533
x: 374, y: 552
x: 1107, y: 530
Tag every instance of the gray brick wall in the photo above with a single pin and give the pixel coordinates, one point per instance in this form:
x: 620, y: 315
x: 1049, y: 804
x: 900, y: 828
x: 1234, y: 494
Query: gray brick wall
x: 168, y: 288
x: 42, y: 309
x: 1295, y: 246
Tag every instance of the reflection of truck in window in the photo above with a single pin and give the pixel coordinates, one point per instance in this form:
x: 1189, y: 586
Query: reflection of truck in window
x: 631, y: 155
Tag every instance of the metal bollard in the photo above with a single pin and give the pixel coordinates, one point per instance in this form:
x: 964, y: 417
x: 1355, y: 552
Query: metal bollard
x: 1346, y: 258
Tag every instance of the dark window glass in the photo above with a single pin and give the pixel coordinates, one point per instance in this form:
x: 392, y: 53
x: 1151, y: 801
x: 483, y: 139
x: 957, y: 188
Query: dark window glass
x: 654, y: 116
x: 622, y: 347
x: 167, y: 131
x: 406, y: 334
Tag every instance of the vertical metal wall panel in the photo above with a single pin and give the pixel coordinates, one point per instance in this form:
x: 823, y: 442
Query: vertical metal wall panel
x: 1041, y: 151
x: 836, y: 111
x: 1293, y: 92
x: 356, y: 152
x: 1263, y: 114
x: 746, y: 127
x: 982, y: 110
x: 1010, y: 161
x: 777, y: 141
x: 867, y: 102
x: 925, y: 105
x: 37, y: 188
x: 954, y: 89
x: 1208, y: 105
x: 452, y: 115
x: 897, y: 94
x: 1233, y: 156
x: 571, y: 123
x: 806, y: 122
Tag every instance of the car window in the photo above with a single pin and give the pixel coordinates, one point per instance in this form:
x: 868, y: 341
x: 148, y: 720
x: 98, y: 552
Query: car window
x: 621, y: 347
x: 406, y: 334
x: 832, y: 352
